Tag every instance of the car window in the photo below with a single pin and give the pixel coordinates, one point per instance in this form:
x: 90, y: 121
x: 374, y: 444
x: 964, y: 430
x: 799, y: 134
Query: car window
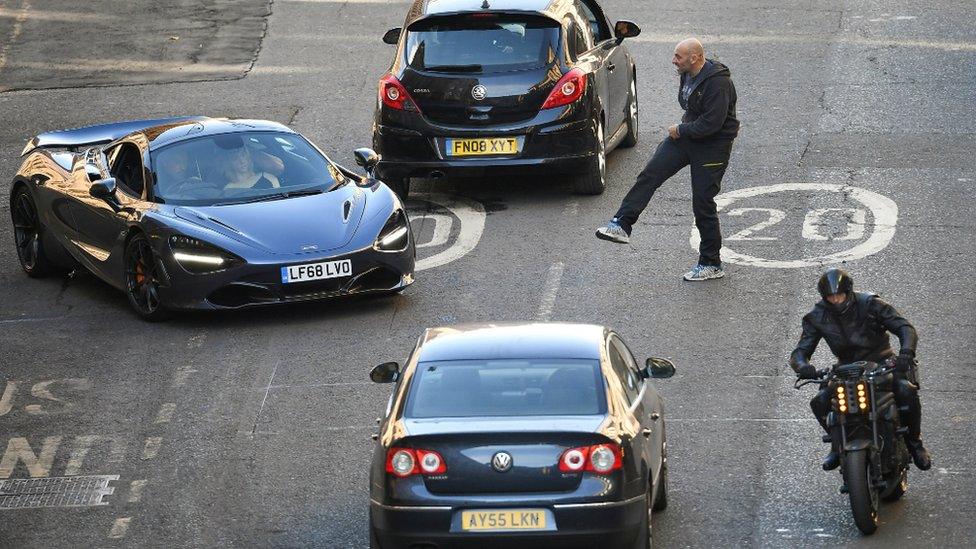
x: 577, y: 40
x: 482, y: 42
x: 622, y: 364
x: 483, y: 388
x: 239, y: 167
x: 597, y: 24
x: 125, y: 165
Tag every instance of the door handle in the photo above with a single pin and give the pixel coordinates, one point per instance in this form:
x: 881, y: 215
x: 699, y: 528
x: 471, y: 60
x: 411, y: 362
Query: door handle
x: 655, y: 416
x: 611, y: 66
x: 646, y: 432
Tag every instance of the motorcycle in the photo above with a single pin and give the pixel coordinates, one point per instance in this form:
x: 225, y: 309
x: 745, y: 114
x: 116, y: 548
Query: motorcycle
x: 864, y: 420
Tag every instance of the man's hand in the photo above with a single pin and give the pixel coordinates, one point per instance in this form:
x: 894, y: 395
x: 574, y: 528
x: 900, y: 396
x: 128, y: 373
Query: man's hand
x: 673, y: 131
x: 807, y: 371
x: 904, y: 363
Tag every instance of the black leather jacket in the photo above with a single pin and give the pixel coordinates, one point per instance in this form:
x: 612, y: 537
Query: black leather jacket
x: 861, y: 333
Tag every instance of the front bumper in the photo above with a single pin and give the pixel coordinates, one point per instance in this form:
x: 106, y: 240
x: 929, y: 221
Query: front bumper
x: 551, y: 142
x: 259, y: 282
x: 604, y: 524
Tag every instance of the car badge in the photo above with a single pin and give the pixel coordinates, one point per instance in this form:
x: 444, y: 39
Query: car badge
x: 501, y: 462
x: 479, y: 92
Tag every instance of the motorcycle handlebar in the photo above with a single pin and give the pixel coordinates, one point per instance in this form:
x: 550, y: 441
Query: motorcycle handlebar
x: 826, y: 373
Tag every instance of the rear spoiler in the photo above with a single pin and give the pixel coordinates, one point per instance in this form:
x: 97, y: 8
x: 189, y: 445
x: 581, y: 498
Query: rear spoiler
x: 101, y: 134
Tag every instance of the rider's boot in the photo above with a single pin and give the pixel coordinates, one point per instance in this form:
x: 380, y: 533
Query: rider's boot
x: 920, y: 455
x: 831, y: 461
x: 913, y: 438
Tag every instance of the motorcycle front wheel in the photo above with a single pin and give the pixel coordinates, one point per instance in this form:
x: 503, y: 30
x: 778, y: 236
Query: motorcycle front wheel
x: 864, y: 496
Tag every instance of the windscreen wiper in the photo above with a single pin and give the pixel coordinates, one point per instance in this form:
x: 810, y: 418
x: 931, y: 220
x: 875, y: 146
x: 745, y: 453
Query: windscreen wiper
x: 453, y: 68
x: 273, y: 196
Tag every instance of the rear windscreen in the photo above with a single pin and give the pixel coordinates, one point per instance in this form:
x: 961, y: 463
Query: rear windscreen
x: 474, y: 388
x: 482, y: 42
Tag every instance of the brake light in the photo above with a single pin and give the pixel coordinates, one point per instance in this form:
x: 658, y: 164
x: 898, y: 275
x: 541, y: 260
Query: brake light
x: 394, y: 95
x: 599, y: 458
x: 404, y: 462
x: 569, y: 88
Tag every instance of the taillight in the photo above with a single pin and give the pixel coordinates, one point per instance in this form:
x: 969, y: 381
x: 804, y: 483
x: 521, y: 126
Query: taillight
x: 569, y: 88
x: 404, y: 462
x: 394, y: 95
x: 599, y: 458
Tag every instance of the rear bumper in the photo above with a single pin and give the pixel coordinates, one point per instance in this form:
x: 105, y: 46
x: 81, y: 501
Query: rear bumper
x: 605, y: 524
x: 550, y: 144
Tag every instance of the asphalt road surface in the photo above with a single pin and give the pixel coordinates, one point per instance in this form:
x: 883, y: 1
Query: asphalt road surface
x: 252, y: 428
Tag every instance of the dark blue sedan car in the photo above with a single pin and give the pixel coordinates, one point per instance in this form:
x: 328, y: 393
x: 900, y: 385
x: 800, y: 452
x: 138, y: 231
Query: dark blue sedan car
x: 523, y: 435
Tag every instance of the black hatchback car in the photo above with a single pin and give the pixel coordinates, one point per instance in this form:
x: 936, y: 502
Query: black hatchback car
x: 480, y: 87
x: 519, y: 435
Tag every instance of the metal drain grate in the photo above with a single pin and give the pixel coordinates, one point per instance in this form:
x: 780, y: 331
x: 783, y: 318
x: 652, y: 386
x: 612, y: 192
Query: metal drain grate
x: 28, y: 493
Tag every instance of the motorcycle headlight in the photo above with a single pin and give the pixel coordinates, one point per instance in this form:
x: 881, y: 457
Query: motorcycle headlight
x: 196, y: 256
x: 395, y: 233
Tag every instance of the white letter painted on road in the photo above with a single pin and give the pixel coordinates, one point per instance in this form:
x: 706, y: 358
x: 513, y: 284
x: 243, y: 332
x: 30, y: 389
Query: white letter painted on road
x: 18, y: 449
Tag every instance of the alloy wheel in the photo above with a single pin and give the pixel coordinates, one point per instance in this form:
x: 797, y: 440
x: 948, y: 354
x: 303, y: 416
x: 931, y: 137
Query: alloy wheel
x: 141, y: 275
x: 27, y: 232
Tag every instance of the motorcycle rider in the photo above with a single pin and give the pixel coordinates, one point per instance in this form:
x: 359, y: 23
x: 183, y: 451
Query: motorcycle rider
x: 856, y: 326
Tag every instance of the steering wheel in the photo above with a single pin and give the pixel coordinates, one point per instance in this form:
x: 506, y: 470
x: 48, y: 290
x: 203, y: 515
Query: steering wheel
x: 194, y: 187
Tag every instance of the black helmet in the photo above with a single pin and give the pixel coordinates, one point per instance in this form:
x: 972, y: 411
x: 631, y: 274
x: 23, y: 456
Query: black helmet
x: 835, y: 281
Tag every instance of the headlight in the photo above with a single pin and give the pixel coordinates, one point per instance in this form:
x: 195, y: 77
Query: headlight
x: 394, y: 235
x: 199, y: 257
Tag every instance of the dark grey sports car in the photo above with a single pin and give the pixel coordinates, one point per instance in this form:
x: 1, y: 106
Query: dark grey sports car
x: 202, y: 213
x: 519, y: 435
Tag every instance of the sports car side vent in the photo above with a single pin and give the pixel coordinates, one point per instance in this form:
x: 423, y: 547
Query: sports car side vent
x: 346, y: 209
x: 222, y: 224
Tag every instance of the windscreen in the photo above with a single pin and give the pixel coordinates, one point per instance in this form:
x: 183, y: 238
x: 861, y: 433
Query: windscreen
x: 474, y: 388
x: 239, y: 167
x: 482, y: 42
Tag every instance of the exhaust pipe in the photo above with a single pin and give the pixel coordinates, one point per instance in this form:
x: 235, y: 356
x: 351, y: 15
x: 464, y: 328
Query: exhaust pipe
x: 436, y: 174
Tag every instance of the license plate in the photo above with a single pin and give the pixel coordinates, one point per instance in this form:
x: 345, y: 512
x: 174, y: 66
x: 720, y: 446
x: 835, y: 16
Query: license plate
x: 481, y: 147
x: 316, y: 271
x: 503, y: 519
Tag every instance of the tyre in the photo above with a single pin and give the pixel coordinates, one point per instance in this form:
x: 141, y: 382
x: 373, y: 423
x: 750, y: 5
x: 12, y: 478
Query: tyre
x: 643, y: 540
x: 895, y: 492
x: 863, y: 496
x: 142, y: 280
x: 374, y: 542
x: 631, y: 138
x: 593, y: 180
x: 661, y: 500
x: 28, y: 233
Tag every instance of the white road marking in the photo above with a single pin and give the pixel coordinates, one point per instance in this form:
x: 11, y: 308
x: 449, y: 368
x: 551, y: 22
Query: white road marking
x: 775, y: 216
x: 551, y: 289
x: 195, y: 342
x: 7, y: 397
x: 119, y: 528
x: 38, y: 465
x: 45, y: 15
x: 153, y: 444
x: 571, y: 209
x: 84, y: 443
x: 883, y: 210
x: 442, y: 229
x: 41, y: 391
x: 858, y: 218
x: 182, y: 374
x: 165, y: 413
x: 20, y: 16
x: 793, y: 39
x: 135, y: 490
x: 472, y: 216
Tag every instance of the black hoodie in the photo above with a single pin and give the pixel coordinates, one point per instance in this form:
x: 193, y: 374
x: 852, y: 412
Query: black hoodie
x: 710, y: 109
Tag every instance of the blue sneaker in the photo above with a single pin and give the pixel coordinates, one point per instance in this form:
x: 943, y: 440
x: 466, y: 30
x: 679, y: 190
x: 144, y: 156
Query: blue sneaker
x: 704, y: 272
x: 613, y: 232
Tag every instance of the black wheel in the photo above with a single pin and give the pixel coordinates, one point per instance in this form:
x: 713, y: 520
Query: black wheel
x: 28, y: 235
x: 894, y: 493
x: 594, y: 179
x: 643, y: 540
x: 374, y: 542
x: 631, y: 138
x: 399, y: 185
x: 142, y: 280
x: 661, y: 500
x: 864, y: 497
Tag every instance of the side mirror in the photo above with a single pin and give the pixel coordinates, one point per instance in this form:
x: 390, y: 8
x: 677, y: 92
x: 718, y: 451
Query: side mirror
x: 388, y: 372
x: 625, y: 29
x: 392, y: 36
x: 103, y: 189
x: 367, y: 158
x: 659, y: 368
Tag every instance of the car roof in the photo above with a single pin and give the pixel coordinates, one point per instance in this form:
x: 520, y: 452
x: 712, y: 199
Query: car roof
x: 512, y: 341
x: 426, y: 8
x: 178, y: 130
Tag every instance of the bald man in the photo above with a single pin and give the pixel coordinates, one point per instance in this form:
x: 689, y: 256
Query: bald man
x: 703, y: 141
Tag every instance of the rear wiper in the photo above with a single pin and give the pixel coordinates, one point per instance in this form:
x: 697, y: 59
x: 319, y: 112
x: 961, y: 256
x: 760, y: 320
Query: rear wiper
x: 453, y: 68
x: 273, y: 196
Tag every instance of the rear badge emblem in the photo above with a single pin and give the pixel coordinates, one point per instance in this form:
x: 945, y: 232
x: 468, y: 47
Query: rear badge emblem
x: 501, y: 462
x: 479, y: 92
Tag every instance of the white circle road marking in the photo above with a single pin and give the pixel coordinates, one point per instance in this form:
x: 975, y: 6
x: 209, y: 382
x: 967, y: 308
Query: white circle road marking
x: 883, y: 209
x: 471, y: 215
